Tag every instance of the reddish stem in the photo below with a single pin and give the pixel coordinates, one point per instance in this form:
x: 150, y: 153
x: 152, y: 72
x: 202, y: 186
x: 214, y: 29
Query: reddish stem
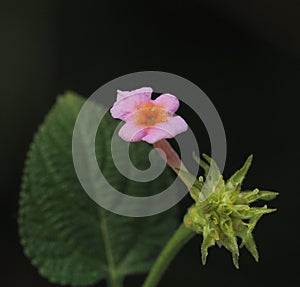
x: 166, y: 151
x: 168, y: 154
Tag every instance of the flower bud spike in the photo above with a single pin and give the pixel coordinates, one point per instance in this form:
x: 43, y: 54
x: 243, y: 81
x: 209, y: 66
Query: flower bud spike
x: 207, y: 242
x: 214, y: 171
x: 202, y: 163
x: 238, y: 177
x: 226, y: 213
x: 267, y: 195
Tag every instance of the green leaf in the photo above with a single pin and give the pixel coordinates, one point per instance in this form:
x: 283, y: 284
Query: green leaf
x: 69, y: 238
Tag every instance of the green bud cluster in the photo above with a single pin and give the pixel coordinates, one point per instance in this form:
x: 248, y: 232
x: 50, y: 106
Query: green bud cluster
x: 222, y: 212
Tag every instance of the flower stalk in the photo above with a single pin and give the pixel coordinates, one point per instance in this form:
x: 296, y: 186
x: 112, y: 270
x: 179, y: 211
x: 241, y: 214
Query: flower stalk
x: 181, y: 236
x: 170, y: 156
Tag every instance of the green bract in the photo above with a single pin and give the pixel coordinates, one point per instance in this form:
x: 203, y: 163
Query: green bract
x: 221, y: 212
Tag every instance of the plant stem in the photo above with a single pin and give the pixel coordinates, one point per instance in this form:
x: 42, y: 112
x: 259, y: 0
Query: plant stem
x: 115, y: 281
x: 168, y: 154
x: 181, y: 236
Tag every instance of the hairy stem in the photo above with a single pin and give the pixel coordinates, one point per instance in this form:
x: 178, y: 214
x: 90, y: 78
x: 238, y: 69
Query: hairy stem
x: 173, y: 246
x: 170, y: 156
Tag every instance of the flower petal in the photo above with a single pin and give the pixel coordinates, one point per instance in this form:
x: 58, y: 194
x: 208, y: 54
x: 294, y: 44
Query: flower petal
x: 146, y: 90
x: 128, y: 102
x: 171, y: 128
x: 155, y: 134
x: 168, y: 102
x: 131, y: 132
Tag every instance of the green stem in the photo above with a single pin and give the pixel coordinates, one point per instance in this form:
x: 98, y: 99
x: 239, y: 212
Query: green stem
x: 114, y: 281
x: 173, y: 246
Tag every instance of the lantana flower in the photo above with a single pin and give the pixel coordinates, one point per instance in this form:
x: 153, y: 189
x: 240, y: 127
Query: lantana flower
x: 222, y: 211
x: 146, y: 119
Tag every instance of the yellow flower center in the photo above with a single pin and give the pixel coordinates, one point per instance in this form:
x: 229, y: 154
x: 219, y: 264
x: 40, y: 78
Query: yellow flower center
x: 150, y: 115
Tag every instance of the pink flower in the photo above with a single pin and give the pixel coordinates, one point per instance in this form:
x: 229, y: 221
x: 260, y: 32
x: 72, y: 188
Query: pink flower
x: 146, y: 119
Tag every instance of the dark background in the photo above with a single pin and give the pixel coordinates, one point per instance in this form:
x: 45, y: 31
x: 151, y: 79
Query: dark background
x: 243, y: 54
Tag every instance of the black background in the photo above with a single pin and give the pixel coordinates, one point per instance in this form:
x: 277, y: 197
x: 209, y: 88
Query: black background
x: 243, y: 54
